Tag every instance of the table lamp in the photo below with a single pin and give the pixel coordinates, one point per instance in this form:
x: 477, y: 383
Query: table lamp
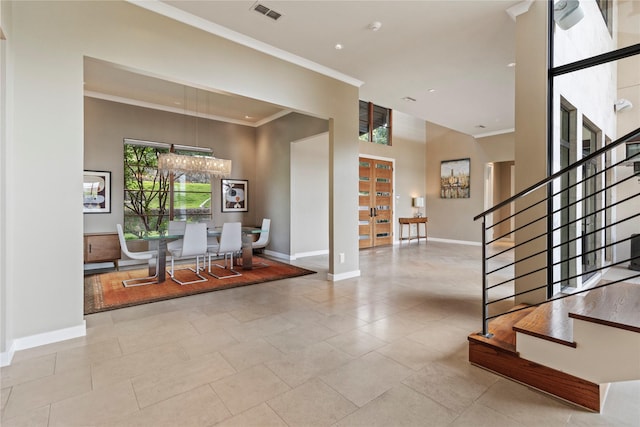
x: 418, y: 202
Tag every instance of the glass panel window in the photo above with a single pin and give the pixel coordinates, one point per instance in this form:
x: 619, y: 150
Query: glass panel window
x: 150, y: 199
x: 375, y: 123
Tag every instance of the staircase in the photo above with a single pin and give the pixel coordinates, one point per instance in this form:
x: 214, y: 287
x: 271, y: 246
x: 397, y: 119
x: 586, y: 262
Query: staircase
x: 571, y: 348
x: 548, y: 321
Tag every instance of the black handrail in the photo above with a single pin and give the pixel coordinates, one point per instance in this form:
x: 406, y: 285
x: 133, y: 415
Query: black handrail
x: 530, y: 250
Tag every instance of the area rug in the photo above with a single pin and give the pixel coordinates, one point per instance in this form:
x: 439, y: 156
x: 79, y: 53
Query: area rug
x: 104, y: 291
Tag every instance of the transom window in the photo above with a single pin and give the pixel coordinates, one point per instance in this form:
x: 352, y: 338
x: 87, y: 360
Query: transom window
x: 375, y: 123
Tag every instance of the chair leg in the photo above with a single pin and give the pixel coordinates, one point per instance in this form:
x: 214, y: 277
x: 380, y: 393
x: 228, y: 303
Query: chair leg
x: 141, y: 281
x: 229, y: 268
x: 196, y: 271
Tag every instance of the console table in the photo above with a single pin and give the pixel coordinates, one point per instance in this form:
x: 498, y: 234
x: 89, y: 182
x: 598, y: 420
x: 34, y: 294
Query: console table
x: 414, y: 220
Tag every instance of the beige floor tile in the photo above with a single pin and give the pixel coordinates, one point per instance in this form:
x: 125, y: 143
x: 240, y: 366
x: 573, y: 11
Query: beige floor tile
x: 300, y: 366
x: 342, y: 323
x: 442, y: 337
x: 254, y: 311
x: 210, y: 342
x: 114, y: 370
x: 528, y: 406
x: 28, y: 396
x: 249, y: 388
x: 399, y: 407
x: 103, y: 405
x: 5, y: 392
x: 251, y: 353
x: 165, y: 333
x: 215, y: 322
x: 621, y: 408
x: 410, y: 353
x: 312, y: 404
x: 98, y: 319
x: 259, y: 328
x: 298, y: 338
x: 47, y: 350
x: 27, y: 370
x: 444, y: 386
x: 366, y: 378
x: 173, y: 380
x: 391, y: 328
x: 197, y: 407
x: 481, y: 416
x: 83, y: 356
x: 35, y: 418
x: 259, y: 416
x: 356, y: 343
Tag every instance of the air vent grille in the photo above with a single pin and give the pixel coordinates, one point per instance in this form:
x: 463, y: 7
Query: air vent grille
x: 264, y: 10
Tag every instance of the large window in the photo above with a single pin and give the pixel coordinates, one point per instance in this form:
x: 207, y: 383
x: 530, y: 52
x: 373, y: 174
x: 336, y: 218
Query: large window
x: 375, y: 123
x: 152, y: 198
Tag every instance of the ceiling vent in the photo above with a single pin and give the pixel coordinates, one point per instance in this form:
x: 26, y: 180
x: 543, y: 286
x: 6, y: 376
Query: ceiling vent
x: 264, y: 10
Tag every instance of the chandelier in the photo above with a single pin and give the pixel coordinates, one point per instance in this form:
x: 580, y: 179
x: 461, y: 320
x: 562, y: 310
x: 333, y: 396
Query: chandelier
x: 180, y: 163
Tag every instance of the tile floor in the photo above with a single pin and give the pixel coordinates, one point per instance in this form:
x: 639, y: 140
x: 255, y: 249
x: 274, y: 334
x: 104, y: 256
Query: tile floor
x: 386, y: 349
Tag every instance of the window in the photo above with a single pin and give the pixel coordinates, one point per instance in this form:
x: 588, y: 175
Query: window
x: 152, y: 198
x: 375, y: 123
x: 605, y: 9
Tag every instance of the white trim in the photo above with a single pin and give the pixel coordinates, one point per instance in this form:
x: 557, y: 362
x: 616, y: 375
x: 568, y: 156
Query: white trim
x: 457, y: 242
x: 518, y: 9
x: 168, y: 109
x: 43, y: 339
x: 218, y: 30
x: 279, y: 255
x: 7, y: 356
x: 497, y: 132
x: 342, y: 276
x: 312, y: 253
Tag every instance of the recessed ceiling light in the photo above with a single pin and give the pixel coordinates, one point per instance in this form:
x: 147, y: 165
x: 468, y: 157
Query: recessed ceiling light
x: 409, y: 99
x: 431, y: 90
x: 375, y: 25
x: 248, y: 117
x: 511, y: 64
x: 481, y: 126
x: 338, y: 46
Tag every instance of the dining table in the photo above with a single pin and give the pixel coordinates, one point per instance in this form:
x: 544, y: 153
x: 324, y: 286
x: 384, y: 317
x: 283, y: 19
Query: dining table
x: 162, y: 239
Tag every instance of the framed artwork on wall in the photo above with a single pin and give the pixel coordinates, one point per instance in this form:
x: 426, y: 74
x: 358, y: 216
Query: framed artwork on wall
x: 454, y: 179
x: 235, y: 195
x: 96, y: 192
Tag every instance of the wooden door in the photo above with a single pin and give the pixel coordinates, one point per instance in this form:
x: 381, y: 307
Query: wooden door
x: 375, y: 202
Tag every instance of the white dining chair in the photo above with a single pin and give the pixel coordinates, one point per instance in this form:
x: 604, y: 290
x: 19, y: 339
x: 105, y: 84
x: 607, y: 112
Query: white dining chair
x: 263, y: 240
x: 194, y: 244
x: 176, y: 228
x: 230, y: 243
x: 150, y: 256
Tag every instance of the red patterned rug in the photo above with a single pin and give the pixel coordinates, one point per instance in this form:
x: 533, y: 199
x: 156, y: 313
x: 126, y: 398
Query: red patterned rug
x: 105, y: 291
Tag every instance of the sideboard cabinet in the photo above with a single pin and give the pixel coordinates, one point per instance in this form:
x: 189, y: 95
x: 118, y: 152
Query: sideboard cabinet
x: 102, y: 247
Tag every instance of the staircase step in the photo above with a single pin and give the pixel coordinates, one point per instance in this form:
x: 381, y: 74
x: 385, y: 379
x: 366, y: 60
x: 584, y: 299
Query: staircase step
x: 616, y: 306
x: 501, y: 329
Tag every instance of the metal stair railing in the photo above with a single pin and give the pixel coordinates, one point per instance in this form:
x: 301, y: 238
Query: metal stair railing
x: 618, y: 212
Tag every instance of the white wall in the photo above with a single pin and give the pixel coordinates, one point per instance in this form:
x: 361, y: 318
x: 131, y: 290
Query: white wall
x: 310, y: 196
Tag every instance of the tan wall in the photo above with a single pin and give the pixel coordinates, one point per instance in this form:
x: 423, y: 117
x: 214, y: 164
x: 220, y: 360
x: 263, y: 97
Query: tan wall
x: 452, y: 219
x: 46, y: 125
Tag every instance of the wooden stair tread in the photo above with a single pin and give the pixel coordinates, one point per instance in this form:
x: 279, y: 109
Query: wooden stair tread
x: 616, y: 306
x: 550, y: 322
x: 504, y: 338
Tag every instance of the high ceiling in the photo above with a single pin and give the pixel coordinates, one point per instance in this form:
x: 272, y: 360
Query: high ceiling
x: 452, y: 57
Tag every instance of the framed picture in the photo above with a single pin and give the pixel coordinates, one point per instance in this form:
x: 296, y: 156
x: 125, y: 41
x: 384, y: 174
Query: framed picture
x: 97, y: 192
x: 454, y: 179
x: 235, y: 195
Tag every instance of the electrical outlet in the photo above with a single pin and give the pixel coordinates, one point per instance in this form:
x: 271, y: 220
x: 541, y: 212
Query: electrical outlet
x: 341, y: 258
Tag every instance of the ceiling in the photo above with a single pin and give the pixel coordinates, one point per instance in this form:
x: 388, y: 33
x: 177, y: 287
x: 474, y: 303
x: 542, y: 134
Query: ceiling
x: 450, y: 56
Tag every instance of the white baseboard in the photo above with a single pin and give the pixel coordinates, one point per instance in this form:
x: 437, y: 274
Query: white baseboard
x: 343, y: 276
x: 7, y: 356
x: 279, y: 255
x: 457, y: 242
x: 313, y: 253
x: 43, y: 339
